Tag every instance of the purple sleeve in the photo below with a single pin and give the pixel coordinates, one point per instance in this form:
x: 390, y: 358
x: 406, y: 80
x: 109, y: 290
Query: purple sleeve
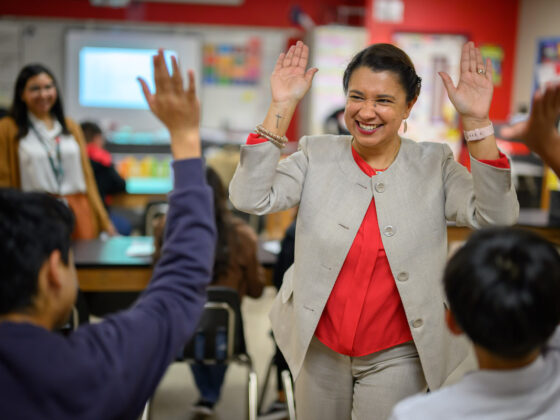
x: 127, y: 354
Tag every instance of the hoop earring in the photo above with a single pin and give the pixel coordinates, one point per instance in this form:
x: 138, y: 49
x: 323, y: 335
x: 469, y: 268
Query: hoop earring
x: 405, y: 127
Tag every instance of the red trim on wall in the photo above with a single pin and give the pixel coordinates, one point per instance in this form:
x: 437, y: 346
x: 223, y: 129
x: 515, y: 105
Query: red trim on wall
x: 267, y: 13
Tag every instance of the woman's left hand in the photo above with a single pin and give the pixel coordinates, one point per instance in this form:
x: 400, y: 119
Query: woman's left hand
x: 473, y: 94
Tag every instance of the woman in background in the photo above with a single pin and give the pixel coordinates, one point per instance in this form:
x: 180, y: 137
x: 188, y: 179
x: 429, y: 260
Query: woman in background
x: 235, y: 266
x: 41, y: 150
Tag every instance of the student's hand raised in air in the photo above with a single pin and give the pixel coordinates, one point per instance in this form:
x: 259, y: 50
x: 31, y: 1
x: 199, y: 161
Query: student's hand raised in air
x: 473, y: 94
x: 176, y: 107
x: 290, y: 80
x: 540, y: 131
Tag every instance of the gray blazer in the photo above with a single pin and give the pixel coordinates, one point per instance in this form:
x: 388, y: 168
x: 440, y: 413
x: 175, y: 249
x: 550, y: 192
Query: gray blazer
x: 422, y: 189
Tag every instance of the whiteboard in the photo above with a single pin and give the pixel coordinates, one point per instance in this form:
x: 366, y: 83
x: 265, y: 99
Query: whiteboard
x: 119, y: 76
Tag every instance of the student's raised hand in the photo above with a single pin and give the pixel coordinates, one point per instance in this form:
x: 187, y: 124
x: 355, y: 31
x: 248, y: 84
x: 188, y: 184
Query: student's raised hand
x: 473, y: 94
x: 176, y: 107
x: 540, y: 131
x: 514, y: 131
x: 290, y: 80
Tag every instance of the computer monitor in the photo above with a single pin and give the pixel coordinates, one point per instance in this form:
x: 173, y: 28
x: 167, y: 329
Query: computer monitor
x: 102, y: 68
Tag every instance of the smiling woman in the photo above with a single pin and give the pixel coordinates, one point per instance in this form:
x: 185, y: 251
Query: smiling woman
x: 41, y: 150
x: 375, y: 109
x: 40, y: 95
x: 381, y: 87
x: 360, y: 317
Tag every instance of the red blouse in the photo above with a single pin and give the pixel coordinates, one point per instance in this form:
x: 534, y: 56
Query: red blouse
x: 364, y: 313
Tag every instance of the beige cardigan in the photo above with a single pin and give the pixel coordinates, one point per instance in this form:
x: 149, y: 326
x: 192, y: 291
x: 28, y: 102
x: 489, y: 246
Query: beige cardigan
x: 422, y: 189
x: 10, y: 172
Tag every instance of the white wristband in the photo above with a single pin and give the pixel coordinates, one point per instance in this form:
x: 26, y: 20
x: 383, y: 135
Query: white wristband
x: 479, y: 133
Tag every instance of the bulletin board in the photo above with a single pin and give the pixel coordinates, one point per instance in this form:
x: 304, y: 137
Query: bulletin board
x: 433, y: 117
x: 235, y: 82
x: 547, y: 63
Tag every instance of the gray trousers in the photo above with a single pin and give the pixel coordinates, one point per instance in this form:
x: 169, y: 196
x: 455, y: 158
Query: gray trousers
x: 338, y: 387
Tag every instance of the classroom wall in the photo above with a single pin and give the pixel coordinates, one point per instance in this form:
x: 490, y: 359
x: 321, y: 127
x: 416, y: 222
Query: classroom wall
x: 39, y: 25
x: 44, y: 41
x: 482, y: 21
x: 267, y: 13
x: 538, y: 19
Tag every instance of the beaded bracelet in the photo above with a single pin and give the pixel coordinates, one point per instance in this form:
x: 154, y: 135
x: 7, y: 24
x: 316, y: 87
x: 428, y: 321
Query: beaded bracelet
x: 278, y: 141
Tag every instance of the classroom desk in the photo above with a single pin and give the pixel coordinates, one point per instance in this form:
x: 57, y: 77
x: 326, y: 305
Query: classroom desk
x: 135, y: 200
x: 535, y: 220
x: 105, y: 266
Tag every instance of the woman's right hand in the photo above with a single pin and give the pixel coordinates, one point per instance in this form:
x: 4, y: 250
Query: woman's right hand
x: 290, y: 80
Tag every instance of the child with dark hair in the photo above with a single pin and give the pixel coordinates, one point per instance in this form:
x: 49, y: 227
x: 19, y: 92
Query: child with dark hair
x: 110, y: 369
x: 107, y: 178
x: 503, y: 289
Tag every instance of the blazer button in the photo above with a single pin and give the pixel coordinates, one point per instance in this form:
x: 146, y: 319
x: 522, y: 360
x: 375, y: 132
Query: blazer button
x: 402, y: 276
x: 380, y: 187
x: 389, y: 230
x: 417, y: 323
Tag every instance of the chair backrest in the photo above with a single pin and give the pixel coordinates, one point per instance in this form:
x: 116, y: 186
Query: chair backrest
x: 153, y: 210
x: 219, y: 336
x: 71, y: 324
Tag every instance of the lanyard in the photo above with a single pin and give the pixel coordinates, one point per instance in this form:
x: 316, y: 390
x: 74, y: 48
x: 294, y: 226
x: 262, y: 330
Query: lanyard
x: 57, y: 168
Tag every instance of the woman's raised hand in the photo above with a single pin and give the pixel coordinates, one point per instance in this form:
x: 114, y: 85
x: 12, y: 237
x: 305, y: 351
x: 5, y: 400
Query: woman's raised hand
x: 290, y: 80
x: 473, y: 94
x: 176, y: 107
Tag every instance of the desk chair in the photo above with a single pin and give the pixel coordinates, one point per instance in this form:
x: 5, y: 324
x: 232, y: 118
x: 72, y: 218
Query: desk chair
x: 153, y: 210
x: 220, y: 338
x: 288, y: 389
x: 72, y: 323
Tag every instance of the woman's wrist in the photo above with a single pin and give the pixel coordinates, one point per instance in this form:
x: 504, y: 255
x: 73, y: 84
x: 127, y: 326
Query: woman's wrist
x: 278, y: 117
x: 472, y: 123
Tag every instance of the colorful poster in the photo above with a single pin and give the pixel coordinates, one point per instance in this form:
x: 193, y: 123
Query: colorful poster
x: 548, y: 62
x: 228, y: 64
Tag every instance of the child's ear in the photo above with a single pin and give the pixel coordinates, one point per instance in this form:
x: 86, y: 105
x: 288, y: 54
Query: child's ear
x: 54, y: 263
x: 452, y: 323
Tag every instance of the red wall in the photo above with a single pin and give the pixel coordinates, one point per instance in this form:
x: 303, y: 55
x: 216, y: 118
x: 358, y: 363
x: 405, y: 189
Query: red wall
x: 268, y: 13
x: 482, y: 21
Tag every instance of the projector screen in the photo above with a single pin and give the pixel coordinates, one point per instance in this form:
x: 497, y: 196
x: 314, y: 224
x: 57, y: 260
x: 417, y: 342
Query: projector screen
x: 108, y: 76
x: 102, y: 68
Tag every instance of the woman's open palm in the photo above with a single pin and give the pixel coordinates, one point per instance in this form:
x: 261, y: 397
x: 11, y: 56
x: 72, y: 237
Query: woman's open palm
x: 290, y: 80
x: 473, y: 94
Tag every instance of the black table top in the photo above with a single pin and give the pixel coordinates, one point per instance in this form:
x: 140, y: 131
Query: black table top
x: 126, y: 251
x: 113, y: 252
